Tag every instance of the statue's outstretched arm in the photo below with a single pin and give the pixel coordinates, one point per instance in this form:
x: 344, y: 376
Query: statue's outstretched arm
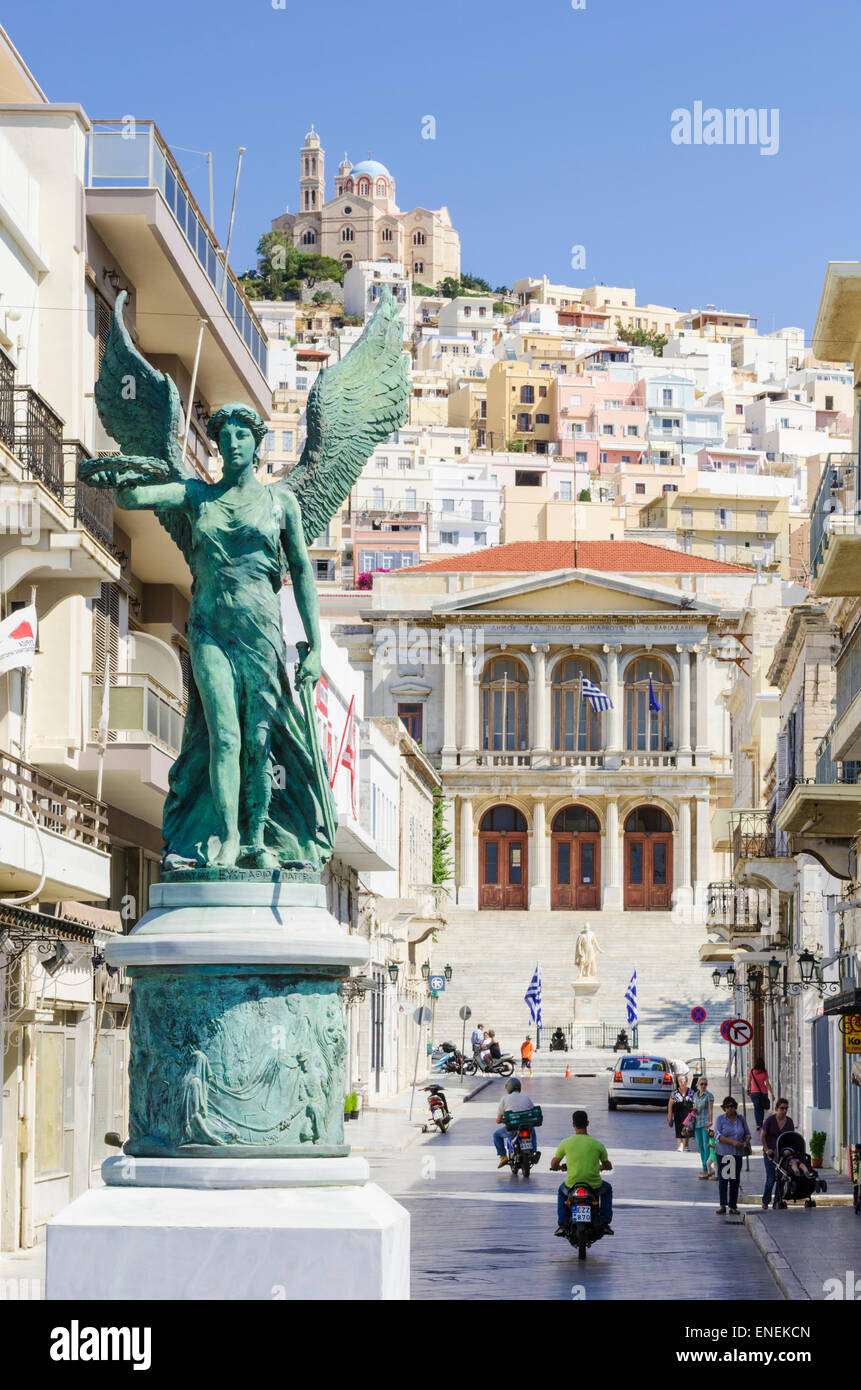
x: 169, y: 497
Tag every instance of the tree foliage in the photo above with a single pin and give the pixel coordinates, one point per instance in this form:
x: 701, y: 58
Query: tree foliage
x: 642, y: 337
x: 443, y: 865
x: 282, y: 269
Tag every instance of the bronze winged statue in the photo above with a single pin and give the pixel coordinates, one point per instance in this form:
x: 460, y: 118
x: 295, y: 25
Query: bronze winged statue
x: 242, y: 539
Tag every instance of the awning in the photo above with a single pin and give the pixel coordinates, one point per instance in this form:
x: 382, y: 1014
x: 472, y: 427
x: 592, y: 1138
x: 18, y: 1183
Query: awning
x: 847, y: 1002
x: 103, y: 918
x: 39, y: 923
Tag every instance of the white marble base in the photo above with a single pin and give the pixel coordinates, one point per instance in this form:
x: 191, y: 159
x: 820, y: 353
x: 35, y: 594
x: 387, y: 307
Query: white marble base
x: 586, y: 1001
x: 139, y: 1243
x: 124, y: 1171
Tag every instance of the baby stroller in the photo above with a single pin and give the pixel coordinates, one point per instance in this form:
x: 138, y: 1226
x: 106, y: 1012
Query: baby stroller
x: 796, y: 1179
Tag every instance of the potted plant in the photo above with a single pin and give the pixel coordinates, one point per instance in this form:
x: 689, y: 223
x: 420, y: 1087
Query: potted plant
x: 817, y: 1147
x: 351, y: 1106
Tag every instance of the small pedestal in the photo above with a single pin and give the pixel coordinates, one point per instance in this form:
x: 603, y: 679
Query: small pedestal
x: 235, y: 1182
x: 586, y: 1001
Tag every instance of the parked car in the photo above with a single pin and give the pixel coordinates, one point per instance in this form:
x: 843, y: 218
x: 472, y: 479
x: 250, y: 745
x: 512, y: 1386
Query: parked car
x: 639, y: 1080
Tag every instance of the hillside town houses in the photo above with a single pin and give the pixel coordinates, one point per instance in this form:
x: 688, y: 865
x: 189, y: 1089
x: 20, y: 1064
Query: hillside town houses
x: 663, y: 502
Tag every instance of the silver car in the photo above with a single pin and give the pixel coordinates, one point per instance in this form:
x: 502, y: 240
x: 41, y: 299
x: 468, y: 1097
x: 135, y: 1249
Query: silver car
x: 639, y: 1080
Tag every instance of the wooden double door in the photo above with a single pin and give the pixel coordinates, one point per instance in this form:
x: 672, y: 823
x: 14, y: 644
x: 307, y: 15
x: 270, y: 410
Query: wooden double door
x: 503, y: 869
x: 576, y: 864
x: 648, y: 872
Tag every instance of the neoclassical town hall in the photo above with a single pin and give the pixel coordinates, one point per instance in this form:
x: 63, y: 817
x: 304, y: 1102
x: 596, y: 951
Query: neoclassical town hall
x: 555, y: 805
x: 363, y: 221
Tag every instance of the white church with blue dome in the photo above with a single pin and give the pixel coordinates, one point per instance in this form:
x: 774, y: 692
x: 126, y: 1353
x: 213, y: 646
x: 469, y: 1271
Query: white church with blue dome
x: 363, y: 222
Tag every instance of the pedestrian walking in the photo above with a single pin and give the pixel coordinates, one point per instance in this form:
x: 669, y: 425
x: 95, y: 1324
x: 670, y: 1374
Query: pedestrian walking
x: 704, y: 1109
x: 477, y: 1037
x: 773, y: 1125
x: 759, y: 1088
x: 526, y: 1051
x: 679, y: 1106
x: 732, y: 1138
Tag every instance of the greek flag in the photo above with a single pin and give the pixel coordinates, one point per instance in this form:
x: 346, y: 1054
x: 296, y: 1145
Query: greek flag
x: 594, y: 694
x: 631, y: 1000
x: 533, y: 997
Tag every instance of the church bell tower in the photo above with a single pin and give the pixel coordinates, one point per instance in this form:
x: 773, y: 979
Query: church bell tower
x: 312, y: 183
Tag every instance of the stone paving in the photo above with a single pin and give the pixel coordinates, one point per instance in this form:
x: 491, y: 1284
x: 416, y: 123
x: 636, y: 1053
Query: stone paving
x: 479, y: 1233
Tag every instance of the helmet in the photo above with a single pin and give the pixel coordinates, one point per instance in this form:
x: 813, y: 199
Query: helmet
x: 512, y: 1084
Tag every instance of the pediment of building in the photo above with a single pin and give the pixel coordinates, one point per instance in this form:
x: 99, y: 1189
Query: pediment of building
x: 577, y: 592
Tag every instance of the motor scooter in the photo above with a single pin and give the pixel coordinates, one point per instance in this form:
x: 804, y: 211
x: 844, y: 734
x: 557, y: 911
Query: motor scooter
x: 440, y: 1113
x: 520, y: 1145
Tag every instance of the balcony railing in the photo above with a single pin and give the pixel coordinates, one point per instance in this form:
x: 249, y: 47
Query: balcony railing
x: 139, y: 709
x: 140, y: 158
x: 829, y: 772
x: 835, y: 506
x: 37, y: 439
x: 848, y: 670
x: 754, y: 836
x: 54, y: 805
x: 7, y: 401
x: 92, y: 508
x: 740, y: 909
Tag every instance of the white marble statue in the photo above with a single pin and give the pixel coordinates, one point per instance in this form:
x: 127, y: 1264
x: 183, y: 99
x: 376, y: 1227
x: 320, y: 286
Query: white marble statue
x: 586, y: 952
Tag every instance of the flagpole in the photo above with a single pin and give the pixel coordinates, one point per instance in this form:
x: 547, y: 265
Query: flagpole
x: 103, y: 725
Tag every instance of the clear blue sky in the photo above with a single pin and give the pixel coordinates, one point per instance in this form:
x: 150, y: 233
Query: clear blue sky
x: 553, y: 125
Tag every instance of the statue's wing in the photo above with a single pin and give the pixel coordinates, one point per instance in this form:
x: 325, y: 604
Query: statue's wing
x: 352, y: 407
x: 139, y: 407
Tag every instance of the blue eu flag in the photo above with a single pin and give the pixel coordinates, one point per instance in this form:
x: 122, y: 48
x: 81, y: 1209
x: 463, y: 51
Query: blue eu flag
x: 654, y: 703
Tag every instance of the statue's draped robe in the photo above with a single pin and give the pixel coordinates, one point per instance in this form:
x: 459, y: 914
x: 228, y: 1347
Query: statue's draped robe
x: 238, y: 570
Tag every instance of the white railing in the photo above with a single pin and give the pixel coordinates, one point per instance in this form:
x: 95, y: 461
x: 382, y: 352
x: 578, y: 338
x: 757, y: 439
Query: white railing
x: 648, y: 759
x: 140, y: 710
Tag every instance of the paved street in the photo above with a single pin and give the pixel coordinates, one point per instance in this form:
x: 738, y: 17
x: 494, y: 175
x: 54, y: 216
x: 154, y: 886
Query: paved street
x: 479, y: 1233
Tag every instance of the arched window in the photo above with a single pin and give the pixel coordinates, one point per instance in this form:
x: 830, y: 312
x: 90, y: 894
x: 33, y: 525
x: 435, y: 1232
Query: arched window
x: 307, y: 198
x: 576, y: 725
x: 364, y: 188
x: 381, y: 188
x: 576, y: 820
x: 309, y: 237
x: 346, y: 260
x: 348, y: 186
x: 504, y: 704
x: 386, y: 234
x: 419, y: 238
x: 648, y: 820
x: 648, y: 706
x: 503, y: 818
x: 307, y: 169
x: 347, y: 234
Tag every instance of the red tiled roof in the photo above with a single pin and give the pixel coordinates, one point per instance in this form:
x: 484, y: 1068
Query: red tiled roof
x: 614, y: 557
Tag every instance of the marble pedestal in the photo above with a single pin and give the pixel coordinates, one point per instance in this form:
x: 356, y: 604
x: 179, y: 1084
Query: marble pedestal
x: 235, y: 1182
x: 586, y: 1001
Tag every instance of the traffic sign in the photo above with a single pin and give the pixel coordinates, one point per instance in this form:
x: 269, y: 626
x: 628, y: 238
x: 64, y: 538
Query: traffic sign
x: 698, y: 1014
x: 422, y: 1015
x: 436, y: 983
x: 724, y: 1029
x: 464, y: 1012
x: 739, y: 1032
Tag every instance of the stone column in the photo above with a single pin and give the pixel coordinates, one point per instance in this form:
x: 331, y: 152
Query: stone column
x: 466, y: 894
x: 613, y: 717
x: 612, y: 857
x: 682, y: 896
x: 470, y: 695
x: 538, y: 721
x: 539, y: 860
x: 684, y: 718
x: 704, y: 850
x: 703, y: 745
x: 449, y: 709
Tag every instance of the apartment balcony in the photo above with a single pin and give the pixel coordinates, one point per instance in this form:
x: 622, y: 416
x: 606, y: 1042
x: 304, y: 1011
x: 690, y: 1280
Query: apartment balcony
x: 50, y: 828
x: 845, y: 731
x: 822, y: 815
x: 142, y: 208
x: 145, y: 723
x: 760, y: 852
x: 835, y: 529
x: 47, y: 530
x: 739, y: 912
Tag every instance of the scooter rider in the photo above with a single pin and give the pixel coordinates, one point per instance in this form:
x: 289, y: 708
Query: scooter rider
x: 585, y: 1160
x: 515, y: 1100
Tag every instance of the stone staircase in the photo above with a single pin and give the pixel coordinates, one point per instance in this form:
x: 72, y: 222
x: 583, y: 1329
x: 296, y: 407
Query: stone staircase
x: 493, y: 955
